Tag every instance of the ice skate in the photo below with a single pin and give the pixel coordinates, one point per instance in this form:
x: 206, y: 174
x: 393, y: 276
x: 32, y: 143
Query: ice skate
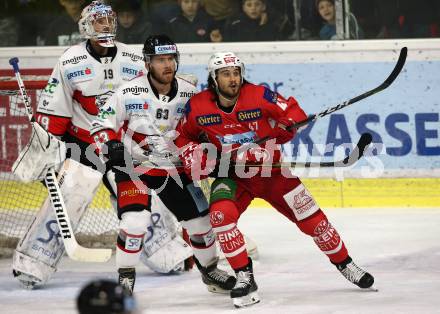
x: 127, y: 277
x: 355, y: 274
x: 216, y: 280
x: 244, y: 292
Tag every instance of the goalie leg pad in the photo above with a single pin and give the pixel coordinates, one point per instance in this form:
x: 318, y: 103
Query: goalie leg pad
x: 133, y: 227
x: 164, y: 250
x: 41, y: 246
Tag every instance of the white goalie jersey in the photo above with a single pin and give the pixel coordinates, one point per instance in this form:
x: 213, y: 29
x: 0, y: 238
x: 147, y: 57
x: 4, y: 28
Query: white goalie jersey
x: 150, y: 119
x: 80, y: 84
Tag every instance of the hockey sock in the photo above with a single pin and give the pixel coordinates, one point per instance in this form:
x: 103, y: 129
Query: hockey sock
x: 133, y: 227
x: 325, y: 236
x: 224, y: 216
x: 204, y: 248
x: 128, y: 249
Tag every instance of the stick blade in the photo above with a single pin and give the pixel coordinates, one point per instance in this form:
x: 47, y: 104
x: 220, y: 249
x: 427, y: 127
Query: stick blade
x: 358, y: 152
x: 398, y: 68
x: 82, y: 254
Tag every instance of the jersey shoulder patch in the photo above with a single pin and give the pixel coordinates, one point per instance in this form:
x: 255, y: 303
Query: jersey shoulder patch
x: 270, y: 96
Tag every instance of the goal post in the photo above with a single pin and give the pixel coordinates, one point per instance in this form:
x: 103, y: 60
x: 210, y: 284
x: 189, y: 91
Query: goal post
x: 19, y: 202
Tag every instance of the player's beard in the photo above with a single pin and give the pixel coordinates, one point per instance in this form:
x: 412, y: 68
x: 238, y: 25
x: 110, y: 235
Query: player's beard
x: 231, y: 91
x: 166, y: 77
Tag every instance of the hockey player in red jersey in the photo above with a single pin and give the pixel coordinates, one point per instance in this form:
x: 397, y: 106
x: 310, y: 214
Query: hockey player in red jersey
x: 233, y: 113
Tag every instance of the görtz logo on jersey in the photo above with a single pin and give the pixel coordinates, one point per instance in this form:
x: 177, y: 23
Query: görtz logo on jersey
x: 249, y: 115
x: 84, y: 72
x: 209, y: 119
x: 161, y: 50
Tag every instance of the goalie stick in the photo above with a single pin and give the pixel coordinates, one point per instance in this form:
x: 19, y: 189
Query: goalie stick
x: 74, y: 250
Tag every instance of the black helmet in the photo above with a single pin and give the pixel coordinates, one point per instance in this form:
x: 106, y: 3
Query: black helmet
x: 160, y: 45
x: 105, y: 296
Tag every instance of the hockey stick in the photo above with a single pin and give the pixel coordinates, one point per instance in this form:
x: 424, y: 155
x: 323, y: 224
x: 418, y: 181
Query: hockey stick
x: 348, y: 161
x: 73, y: 249
x: 396, y: 71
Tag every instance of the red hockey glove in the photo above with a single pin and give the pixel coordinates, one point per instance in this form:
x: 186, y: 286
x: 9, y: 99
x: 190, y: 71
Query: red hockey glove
x: 253, y: 155
x: 280, y: 131
x: 196, y: 163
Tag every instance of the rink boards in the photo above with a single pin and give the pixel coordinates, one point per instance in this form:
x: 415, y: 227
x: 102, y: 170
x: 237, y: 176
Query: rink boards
x: 375, y: 193
x: 404, y: 164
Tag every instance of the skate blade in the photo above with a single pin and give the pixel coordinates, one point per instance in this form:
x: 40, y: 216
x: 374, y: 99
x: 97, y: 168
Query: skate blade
x: 216, y: 289
x: 371, y: 289
x: 248, y: 300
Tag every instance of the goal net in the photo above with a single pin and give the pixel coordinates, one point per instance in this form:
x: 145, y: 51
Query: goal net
x: 19, y: 202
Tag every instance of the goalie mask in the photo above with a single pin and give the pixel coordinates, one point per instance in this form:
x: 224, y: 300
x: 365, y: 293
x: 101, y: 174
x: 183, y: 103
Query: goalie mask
x: 98, y: 22
x: 160, y: 45
x: 222, y: 60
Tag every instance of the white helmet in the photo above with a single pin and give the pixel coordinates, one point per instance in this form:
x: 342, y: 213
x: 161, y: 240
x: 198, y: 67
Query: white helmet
x: 89, y: 15
x: 221, y: 60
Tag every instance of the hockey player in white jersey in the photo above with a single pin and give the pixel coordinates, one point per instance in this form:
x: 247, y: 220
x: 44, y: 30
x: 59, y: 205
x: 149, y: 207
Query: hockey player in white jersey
x: 150, y: 107
x: 84, y: 77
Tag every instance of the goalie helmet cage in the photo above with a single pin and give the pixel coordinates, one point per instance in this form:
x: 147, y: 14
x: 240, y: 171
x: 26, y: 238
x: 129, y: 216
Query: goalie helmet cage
x: 20, y: 202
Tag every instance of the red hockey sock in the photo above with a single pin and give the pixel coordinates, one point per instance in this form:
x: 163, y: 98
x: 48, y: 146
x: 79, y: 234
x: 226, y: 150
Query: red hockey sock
x: 325, y: 236
x: 224, y: 217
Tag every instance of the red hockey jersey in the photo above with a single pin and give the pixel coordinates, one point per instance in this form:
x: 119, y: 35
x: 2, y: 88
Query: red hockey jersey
x: 254, y: 115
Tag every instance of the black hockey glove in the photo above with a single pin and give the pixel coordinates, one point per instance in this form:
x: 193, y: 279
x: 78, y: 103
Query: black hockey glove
x: 115, y: 153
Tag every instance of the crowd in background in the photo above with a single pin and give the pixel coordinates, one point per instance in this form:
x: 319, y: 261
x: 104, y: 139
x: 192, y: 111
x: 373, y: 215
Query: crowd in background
x: 40, y: 23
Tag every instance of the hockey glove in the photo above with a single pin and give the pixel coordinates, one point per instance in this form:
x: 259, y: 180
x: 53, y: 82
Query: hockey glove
x: 281, y: 133
x: 196, y: 163
x: 115, y: 153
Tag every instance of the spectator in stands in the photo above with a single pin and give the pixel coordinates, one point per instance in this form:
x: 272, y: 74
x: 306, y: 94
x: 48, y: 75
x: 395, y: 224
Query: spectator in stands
x: 192, y: 24
x: 221, y: 10
x: 253, y: 23
x: 160, y: 12
x: 63, y: 31
x: 132, y: 24
x: 282, y: 12
x: 419, y: 19
x: 9, y: 27
x: 326, y: 9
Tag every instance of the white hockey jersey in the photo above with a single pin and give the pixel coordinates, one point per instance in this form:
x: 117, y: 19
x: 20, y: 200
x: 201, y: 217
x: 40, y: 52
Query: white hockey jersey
x: 80, y: 84
x: 149, y: 118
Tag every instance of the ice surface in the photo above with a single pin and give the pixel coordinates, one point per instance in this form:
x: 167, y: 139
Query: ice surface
x: 400, y: 247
